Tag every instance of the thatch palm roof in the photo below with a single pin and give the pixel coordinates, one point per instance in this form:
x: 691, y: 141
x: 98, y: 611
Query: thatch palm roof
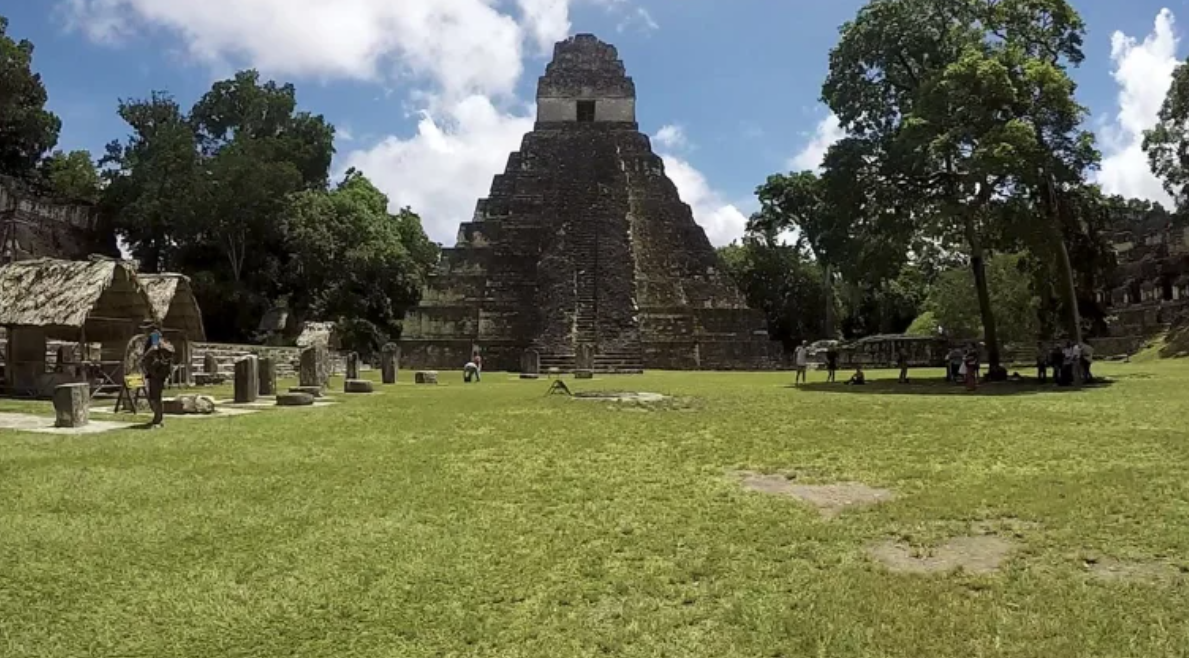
x: 174, y: 303
x: 101, y: 295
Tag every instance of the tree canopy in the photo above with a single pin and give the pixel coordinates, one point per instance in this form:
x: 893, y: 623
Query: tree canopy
x: 27, y: 130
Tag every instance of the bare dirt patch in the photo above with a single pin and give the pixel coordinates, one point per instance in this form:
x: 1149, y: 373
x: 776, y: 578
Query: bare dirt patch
x: 620, y: 396
x: 975, y: 555
x: 830, y: 499
x: 1119, y: 571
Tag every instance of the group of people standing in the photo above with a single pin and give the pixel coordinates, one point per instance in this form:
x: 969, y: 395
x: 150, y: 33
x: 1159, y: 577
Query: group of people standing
x: 1066, y: 363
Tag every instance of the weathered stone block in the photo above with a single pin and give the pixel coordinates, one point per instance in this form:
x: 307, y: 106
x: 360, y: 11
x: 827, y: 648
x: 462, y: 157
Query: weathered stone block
x: 352, y: 365
x: 189, y: 405
x: 268, y: 376
x: 427, y: 377
x: 210, y: 364
x: 357, y: 386
x: 583, y: 374
x: 389, y: 363
x: 72, y: 405
x: 314, y: 368
x: 316, y: 391
x: 247, y: 380
x: 295, y: 400
x: 530, y: 363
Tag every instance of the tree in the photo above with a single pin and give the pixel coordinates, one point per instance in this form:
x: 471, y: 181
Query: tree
x: 27, y: 129
x: 153, y: 180
x: 797, y: 202
x: 1167, y: 143
x: 72, y: 175
x: 783, y: 283
x: 971, y: 106
x: 257, y: 150
x: 207, y: 192
x: 953, y: 306
x: 354, y: 262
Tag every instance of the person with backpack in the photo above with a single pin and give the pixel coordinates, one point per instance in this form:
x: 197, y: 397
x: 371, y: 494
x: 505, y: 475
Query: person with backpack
x: 156, y: 363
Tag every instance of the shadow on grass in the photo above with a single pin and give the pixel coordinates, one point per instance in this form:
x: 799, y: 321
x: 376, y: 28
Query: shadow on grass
x: 939, y: 386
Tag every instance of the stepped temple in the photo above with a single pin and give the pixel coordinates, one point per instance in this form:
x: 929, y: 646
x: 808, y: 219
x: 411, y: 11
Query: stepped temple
x: 584, y: 253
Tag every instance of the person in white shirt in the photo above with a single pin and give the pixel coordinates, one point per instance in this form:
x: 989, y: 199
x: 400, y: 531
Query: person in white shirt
x: 801, y: 358
x: 1087, y: 360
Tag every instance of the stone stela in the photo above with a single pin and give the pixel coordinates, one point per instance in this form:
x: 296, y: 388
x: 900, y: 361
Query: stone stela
x: 584, y: 241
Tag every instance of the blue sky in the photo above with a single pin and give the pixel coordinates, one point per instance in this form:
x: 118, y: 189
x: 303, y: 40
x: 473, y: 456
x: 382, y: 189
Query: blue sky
x: 430, y: 95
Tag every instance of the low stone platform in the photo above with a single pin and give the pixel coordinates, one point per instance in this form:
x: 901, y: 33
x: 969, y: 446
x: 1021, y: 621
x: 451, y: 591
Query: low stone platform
x: 45, y: 425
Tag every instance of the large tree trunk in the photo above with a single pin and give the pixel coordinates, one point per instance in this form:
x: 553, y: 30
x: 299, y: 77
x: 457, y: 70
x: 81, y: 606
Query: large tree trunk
x: 978, y: 266
x: 831, y: 321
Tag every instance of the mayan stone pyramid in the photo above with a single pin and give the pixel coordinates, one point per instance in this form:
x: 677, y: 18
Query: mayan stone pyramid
x: 584, y: 253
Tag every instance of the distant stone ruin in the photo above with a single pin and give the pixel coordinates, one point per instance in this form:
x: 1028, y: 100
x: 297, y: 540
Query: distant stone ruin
x: 33, y: 225
x: 584, y: 244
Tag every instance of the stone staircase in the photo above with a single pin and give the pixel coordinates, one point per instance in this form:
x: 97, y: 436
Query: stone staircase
x: 629, y: 361
x: 563, y: 362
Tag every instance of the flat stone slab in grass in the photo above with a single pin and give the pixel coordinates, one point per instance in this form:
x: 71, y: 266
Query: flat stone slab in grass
x: 355, y: 386
x: 220, y: 412
x: 829, y: 499
x: 316, y: 391
x: 974, y: 555
x: 40, y: 425
x: 620, y: 396
x: 295, y: 400
x: 1148, y: 573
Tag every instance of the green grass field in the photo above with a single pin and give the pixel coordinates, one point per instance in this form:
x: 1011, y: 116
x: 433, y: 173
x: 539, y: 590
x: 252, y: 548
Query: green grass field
x: 493, y: 521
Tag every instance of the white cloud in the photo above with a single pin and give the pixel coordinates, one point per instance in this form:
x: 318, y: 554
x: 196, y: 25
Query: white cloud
x: 829, y: 130
x: 448, y: 165
x: 463, y: 46
x: 467, y: 55
x: 1143, y: 71
x: 641, y: 17
x: 722, y: 221
x: 670, y: 136
x: 547, y: 21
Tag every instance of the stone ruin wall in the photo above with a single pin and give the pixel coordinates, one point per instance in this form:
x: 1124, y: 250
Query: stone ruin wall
x: 1150, y: 288
x: 51, y: 228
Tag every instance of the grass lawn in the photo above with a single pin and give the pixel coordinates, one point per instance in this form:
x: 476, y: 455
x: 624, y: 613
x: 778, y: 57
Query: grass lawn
x: 489, y: 520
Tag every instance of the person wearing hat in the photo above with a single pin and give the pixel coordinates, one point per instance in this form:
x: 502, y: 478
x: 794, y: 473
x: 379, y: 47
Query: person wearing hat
x: 156, y: 363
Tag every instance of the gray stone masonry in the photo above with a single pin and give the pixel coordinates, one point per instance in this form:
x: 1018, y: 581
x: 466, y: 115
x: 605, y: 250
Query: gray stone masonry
x: 584, y: 240
x: 247, y: 380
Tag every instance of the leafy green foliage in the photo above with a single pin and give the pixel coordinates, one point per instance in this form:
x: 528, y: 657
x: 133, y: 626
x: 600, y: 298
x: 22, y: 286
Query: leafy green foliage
x: 1167, y: 143
x: 964, y: 109
x: 354, y: 262
x: 234, y: 194
x: 72, y: 176
x: 27, y: 130
x: 784, y: 284
x: 954, y: 307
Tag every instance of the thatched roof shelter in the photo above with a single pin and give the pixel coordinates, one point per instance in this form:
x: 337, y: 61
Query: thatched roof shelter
x: 100, y: 298
x: 174, y: 303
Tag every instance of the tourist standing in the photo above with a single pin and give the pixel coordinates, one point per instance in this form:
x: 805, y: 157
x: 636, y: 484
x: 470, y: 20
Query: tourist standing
x: 970, y: 363
x: 902, y: 362
x: 156, y: 363
x: 801, y: 358
x: 954, y: 372
x: 832, y: 363
x: 1057, y: 364
x: 1042, y: 363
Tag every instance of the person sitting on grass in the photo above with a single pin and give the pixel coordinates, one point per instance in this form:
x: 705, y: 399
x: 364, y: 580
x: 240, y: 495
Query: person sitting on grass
x: 857, y: 379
